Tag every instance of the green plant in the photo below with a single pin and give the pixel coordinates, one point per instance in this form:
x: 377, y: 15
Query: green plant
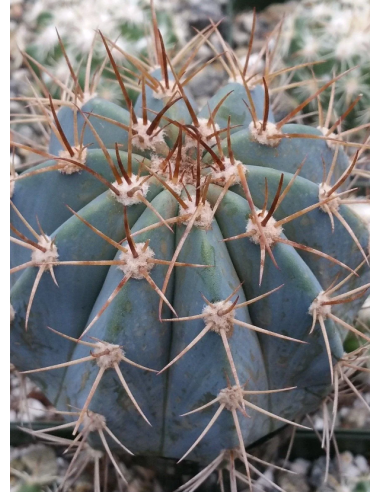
x: 33, y: 469
x: 335, y: 35
x: 215, y: 247
x: 43, y: 18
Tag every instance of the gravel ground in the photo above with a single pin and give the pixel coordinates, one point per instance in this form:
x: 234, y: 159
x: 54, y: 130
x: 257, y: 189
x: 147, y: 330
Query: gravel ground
x: 44, y: 467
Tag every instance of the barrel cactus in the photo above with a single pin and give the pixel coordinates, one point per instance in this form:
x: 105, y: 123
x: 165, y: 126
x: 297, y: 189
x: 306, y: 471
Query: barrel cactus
x: 183, y: 280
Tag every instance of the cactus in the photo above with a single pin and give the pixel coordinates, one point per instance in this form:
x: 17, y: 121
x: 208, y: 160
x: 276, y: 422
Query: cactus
x: 183, y: 280
x: 45, y: 17
x: 335, y: 34
x: 33, y: 469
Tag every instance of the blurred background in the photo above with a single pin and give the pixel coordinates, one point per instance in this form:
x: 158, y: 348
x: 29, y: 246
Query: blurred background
x: 335, y: 32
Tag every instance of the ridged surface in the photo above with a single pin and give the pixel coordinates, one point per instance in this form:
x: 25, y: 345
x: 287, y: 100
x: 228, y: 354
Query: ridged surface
x: 262, y: 362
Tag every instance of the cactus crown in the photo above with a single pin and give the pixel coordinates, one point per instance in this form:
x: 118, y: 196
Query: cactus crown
x: 205, y: 245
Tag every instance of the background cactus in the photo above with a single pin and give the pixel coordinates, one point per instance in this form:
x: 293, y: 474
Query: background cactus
x: 213, y: 246
x: 44, y: 18
x: 334, y: 33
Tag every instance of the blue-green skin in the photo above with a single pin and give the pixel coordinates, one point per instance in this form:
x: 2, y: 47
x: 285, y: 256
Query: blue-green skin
x: 289, y: 154
x: 131, y: 320
x: 77, y: 191
x: 110, y: 133
x: 234, y: 107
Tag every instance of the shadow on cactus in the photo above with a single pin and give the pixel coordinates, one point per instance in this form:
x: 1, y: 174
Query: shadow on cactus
x: 183, y: 280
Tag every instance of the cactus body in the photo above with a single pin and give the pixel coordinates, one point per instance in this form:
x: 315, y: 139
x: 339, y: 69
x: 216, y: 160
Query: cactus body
x: 138, y: 319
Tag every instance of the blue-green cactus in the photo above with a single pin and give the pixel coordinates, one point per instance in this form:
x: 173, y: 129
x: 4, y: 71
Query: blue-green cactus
x: 190, y: 247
